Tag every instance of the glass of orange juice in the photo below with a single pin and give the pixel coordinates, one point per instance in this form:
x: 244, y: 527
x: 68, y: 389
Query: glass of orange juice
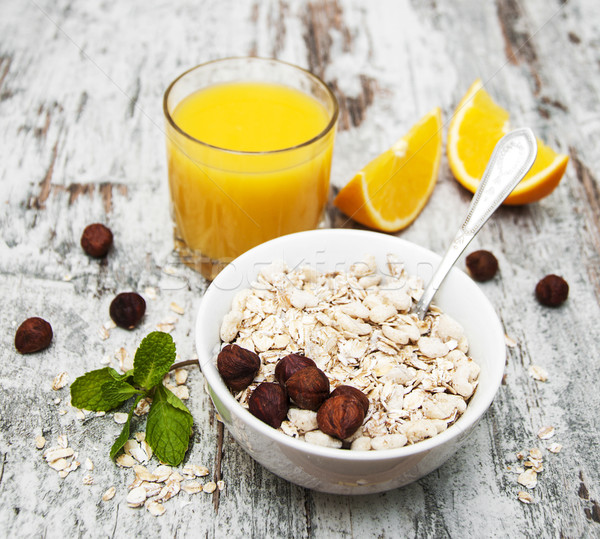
x: 249, y: 146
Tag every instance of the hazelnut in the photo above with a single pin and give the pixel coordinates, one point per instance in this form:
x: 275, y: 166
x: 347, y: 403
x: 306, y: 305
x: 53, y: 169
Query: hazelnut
x: 127, y: 309
x: 308, y: 388
x: 33, y: 335
x: 482, y: 265
x: 96, y: 240
x: 269, y: 403
x: 552, y: 291
x: 352, y: 392
x: 340, y: 416
x: 237, y: 366
x: 291, y: 364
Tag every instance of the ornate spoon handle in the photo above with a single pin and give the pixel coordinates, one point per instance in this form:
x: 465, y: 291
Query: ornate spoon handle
x: 512, y: 158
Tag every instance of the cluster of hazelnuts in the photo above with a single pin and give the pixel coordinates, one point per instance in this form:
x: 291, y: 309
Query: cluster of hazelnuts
x: 339, y: 413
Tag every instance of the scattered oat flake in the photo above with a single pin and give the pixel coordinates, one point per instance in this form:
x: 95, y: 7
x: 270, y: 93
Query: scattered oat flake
x: 100, y: 414
x: 555, y: 447
x: 120, y: 417
x: 545, y: 433
x: 162, y: 473
x: 511, y: 343
x: 528, y: 479
x: 140, y: 436
x: 55, y: 453
x: 156, y: 508
x: 150, y: 292
x: 210, y: 487
x: 536, y: 453
x: 525, y: 497
x: 136, y: 497
x: 182, y: 392
x: 59, y: 464
x: 67, y: 277
x: 80, y: 414
x: 170, y: 489
x: 193, y: 487
x: 40, y: 442
x: 89, y: 465
x: 181, y: 376
x: 126, y: 461
x: 177, y: 308
x: 143, y: 407
x: 165, y: 327
x: 124, y: 359
x: 103, y: 333
x: 221, y: 484
x: 88, y: 479
x: 63, y: 473
x: 143, y: 473
x: 57, y: 400
x: 109, y: 494
x: 63, y: 441
x: 62, y: 412
x: 538, y: 373
x: 169, y: 270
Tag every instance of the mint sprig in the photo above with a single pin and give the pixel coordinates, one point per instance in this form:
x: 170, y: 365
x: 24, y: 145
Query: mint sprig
x: 169, y: 423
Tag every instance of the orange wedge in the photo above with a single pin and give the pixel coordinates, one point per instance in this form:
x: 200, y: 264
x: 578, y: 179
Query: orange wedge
x: 478, y: 124
x: 391, y: 190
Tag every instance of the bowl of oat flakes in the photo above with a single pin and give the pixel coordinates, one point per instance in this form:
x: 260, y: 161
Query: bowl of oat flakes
x: 343, y: 299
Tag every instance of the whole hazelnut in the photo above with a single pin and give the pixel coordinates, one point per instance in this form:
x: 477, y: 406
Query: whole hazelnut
x: 291, y: 364
x: 33, y: 335
x: 96, y: 240
x: 352, y: 392
x: 269, y: 403
x: 127, y: 309
x: 340, y: 416
x: 552, y: 291
x: 482, y: 265
x: 237, y: 366
x: 308, y: 388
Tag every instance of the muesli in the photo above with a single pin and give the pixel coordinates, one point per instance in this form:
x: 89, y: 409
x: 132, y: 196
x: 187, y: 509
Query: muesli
x: 358, y: 329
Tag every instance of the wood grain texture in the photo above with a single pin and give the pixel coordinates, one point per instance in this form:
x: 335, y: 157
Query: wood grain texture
x: 82, y: 140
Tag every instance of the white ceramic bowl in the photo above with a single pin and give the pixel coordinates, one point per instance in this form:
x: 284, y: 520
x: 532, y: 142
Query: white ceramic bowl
x: 337, y: 470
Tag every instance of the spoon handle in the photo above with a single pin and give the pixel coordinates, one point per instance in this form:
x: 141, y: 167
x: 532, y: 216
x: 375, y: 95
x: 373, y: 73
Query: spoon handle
x: 512, y: 158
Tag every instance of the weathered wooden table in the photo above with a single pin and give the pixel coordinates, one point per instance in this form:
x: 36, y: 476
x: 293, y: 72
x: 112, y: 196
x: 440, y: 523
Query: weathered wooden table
x: 81, y: 134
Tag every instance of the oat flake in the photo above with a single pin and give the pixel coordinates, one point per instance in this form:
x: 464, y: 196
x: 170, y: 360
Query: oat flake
x: 120, y: 418
x: 545, y: 433
x: 525, y: 497
x: 156, y: 508
x: 60, y: 381
x: 554, y: 447
x: 528, y: 479
x: 109, y: 494
x: 538, y: 373
x: 210, y: 487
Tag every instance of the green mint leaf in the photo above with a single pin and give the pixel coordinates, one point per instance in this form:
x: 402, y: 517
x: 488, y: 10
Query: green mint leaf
x: 125, y: 377
x: 86, y: 391
x: 118, y: 391
x: 124, y: 436
x: 169, y: 427
x: 153, y: 358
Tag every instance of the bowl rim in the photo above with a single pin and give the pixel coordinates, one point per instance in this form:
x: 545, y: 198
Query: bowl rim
x: 216, y: 384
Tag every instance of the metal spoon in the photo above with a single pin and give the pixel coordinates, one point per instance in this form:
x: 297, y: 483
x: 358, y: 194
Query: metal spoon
x: 511, y: 159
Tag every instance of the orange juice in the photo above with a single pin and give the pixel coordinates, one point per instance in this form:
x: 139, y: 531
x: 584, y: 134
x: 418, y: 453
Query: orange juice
x: 248, y: 161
